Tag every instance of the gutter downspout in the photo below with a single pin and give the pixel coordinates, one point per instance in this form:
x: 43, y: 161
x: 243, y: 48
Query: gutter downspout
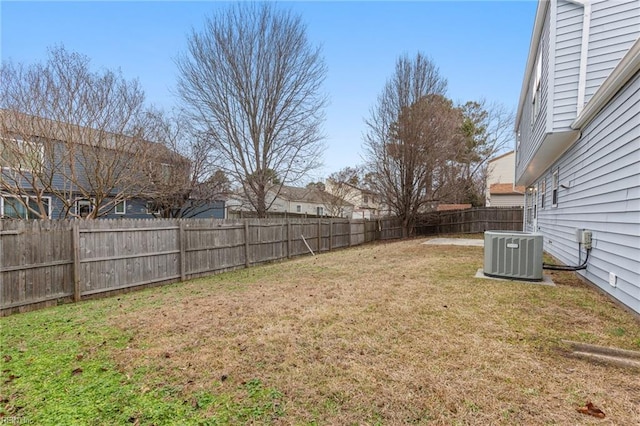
x: 584, y: 50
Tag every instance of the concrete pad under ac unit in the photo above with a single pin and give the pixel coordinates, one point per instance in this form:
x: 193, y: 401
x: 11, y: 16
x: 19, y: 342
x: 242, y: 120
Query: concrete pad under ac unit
x: 546, y: 279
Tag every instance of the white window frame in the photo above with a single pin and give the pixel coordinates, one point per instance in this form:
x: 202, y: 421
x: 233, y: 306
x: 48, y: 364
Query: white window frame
x: 25, y: 198
x: 76, y: 205
x: 319, y: 211
x: 298, y: 208
x: 122, y: 203
x: 555, y: 184
x: 528, y: 208
x: 150, y: 210
x: 536, y: 90
x: 542, y: 188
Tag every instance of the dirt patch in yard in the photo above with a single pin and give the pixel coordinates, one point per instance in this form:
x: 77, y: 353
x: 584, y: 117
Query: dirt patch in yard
x: 397, y: 333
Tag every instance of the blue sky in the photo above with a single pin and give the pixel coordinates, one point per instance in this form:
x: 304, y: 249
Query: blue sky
x: 480, y: 47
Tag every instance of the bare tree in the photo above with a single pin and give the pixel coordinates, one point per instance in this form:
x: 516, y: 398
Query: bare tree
x: 250, y: 81
x: 72, y: 136
x: 412, y: 135
x: 187, y: 180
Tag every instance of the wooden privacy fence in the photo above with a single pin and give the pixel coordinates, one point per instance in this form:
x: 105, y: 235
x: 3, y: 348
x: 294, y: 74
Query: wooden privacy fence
x: 43, y: 262
x: 469, y: 221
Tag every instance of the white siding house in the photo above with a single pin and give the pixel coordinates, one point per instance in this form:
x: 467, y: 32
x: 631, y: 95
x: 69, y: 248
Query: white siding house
x: 291, y: 200
x: 578, y: 138
x: 364, y: 204
x: 501, y: 190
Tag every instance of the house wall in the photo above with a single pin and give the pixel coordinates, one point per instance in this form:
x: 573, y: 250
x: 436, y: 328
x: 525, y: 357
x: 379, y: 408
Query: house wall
x: 281, y: 205
x: 500, y: 170
x: 356, y: 196
x: 509, y: 200
x: 529, y: 136
x: 601, y: 172
x: 615, y: 26
x: 566, y: 57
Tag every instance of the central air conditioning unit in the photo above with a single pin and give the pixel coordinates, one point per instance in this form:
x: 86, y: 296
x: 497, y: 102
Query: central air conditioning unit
x: 513, y: 255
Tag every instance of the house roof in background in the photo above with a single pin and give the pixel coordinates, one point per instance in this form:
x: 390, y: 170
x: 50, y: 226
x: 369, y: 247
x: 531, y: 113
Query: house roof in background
x: 357, y: 188
x: 501, y: 156
x: 506, y: 189
x: 445, y: 207
x: 22, y: 125
x: 309, y: 195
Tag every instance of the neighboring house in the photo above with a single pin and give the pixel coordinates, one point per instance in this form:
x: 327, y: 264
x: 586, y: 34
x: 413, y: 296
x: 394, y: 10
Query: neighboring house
x: 65, y: 169
x: 578, y: 138
x: 310, y: 201
x: 366, y: 204
x: 501, y: 190
x: 292, y: 200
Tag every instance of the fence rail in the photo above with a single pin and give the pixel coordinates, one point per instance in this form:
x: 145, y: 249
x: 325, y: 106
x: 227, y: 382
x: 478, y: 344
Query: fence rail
x: 44, y: 262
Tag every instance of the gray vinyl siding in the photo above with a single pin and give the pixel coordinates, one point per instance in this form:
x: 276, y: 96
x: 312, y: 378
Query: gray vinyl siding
x: 602, y: 173
x: 567, y: 64
x: 531, y: 137
x: 615, y: 26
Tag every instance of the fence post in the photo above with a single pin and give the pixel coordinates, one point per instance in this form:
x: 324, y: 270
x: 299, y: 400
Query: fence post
x: 288, y: 239
x: 330, y: 234
x: 350, y: 231
x: 182, y: 242
x: 247, y: 263
x: 75, y: 240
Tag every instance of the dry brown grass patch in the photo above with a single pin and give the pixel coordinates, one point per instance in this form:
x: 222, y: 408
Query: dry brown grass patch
x: 387, y: 334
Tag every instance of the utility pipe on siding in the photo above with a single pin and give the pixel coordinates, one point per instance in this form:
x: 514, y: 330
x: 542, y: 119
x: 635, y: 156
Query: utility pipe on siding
x: 584, y: 51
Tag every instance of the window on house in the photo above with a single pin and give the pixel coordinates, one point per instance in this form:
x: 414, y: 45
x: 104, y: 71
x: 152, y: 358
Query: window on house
x: 298, y: 208
x: 528, y: 201
x: 84, y: 207
x: 20, y: 155
x: 554, y: 188
x: 121, y: 207
x: 365, y: 199
x: 543, y: 191
x: 165, y: 172
x: 536, y: 90
x: 153, y: 208
x: 23, y: 207
x: 319, y: 211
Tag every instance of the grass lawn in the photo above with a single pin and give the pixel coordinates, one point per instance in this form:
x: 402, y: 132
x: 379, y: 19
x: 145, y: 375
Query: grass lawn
x: 397, y: 333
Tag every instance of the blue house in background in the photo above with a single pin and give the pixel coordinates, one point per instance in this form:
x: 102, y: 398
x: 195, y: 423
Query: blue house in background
x: 578, y: 139
x: 59, y: 170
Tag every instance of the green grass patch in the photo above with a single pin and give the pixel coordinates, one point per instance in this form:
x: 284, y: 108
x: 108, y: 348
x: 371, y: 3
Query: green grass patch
x: 57, y: 369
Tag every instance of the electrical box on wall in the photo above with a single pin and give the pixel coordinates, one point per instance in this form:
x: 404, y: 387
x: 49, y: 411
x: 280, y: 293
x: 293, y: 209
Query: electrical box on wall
x: 586, y: 239
x: 584, y: 236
